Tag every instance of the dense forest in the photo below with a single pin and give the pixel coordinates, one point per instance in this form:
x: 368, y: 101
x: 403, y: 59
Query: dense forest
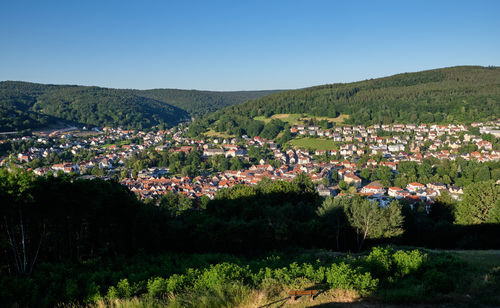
x: 450, y: 95
x: 199, y: 103
x: 31, y: 106
x: 112, y: 245
x: 38, y: 106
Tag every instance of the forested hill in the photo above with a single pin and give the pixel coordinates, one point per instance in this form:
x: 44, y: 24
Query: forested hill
x: 199, y: 103
x: 455, y: 94
x: 29, y: 106
x: 26, y: 105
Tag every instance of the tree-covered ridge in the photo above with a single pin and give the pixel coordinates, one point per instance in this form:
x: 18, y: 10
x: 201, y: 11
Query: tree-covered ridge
x: 456, y: 94
x: 106, y: 107
x: 28, y: 105
x: 16, y: 100
x: 199, y: 103
x: 25, y: 105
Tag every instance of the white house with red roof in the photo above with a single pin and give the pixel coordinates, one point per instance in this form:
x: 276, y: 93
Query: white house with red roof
x: 414, y: 187
x: 373, y: 189
x: 483, y: 144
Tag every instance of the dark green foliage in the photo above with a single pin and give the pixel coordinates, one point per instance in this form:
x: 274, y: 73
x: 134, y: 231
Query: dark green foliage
x: 199, y: 103
x: 333, y: 218
x: 480, y: 204
x: 459, y: 172
x: 372, y: 221
x: 385, y: 273
x: 344, y: 277
x: 31, y: 106
x: 257, y: 153
x: 106, y: 107
x: 284, y: 138
x: 383, y: 262
x: 64, y: 219
x: 44, y: 105
x: 268, y: 215
x: 414, y: 276
x: 272, y: 129
x: 175, y: 204
x: 98, y: 242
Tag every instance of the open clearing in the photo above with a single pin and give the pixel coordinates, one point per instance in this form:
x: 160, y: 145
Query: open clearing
x: 212, y: 133
x: 314, y: 143
x: 297, y: 118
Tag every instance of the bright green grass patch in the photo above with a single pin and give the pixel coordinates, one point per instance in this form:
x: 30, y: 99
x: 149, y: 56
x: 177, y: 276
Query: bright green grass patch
x: 297, y: 118
x: 212, y: 133
x: 314, y: 143
x: 291, y: 118
x: 118, y: 144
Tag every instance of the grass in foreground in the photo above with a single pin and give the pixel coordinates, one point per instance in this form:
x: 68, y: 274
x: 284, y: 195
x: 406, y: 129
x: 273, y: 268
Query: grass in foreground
x: 383, y: 276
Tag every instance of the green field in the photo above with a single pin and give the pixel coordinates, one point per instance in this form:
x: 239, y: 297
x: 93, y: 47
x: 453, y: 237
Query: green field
x: 118, y: 143
x: 297, y: 118
x: 314, y: 143
x: 212, y: 133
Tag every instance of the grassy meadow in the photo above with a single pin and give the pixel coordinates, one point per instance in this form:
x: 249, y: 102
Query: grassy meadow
x: 298, y: 119
x: 314, y: 143
x: 213, y: 133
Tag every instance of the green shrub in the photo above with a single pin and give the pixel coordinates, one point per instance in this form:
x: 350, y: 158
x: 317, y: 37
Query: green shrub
x: 282, y: 275
x: 220, y: 274
x: 122, y: 290
x: 316, y: 275
x: 343, y: 276
x: 364, y: 283
x: 93, y: 294
x: 407, y: 262
x: 112, y: 293
x: 157, y: 287
x: 176, y: 283
x: 379, y: 262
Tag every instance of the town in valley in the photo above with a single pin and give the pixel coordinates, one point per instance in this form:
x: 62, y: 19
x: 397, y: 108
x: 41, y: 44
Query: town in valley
x: 362, y: 159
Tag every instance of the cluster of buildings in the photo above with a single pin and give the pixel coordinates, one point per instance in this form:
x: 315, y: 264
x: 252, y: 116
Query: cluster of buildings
x: 157, y: 185
x: 107, y: 149
x: 112, y: 147
x: 362, y: 133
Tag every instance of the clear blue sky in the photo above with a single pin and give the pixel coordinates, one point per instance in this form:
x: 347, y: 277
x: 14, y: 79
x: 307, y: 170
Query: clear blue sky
x: 239, y: 45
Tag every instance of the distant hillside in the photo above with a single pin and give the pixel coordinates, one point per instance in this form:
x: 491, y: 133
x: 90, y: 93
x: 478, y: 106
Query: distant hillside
x: 199, y: 103
x: 26, y: 105
x: 454, y: 95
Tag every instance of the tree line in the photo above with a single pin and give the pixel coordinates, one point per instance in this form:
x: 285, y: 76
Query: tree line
x: 62, y: 218
x: 26, y: 105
